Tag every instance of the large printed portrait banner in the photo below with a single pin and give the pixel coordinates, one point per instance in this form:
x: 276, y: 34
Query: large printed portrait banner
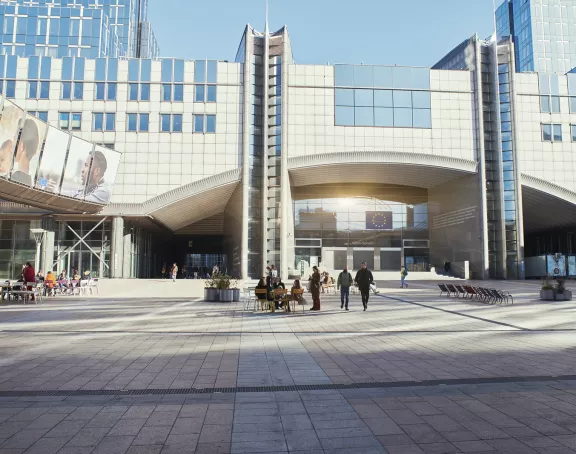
x: 53, y: 159
x: 102, y: 174
x: 27, y: 153
x: 77, y: 168
x: 10, y: 123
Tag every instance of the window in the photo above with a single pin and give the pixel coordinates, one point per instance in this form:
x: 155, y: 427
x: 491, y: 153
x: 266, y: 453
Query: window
x: 100, y: 91
x: 137, y: 122
x: 66, y: 92
x: 105, y: 91
x: 205, y: 73
x: 204, y: 124
x: 167, y: 92
x: 104, y: 122
x: 133, y: 92
x: 200, y: 93
x: 139, y: 92
x: 210, y: 123
x: 43, y: 116
x: 44, y: 90
x: 199, y: 123
x: 70, y: 121
x: 111, y: 92
x: 179, y: 92
x: 144, y: 92
x: 78, y: 90
x: 551, y: 132
x: 10, y: 88
x: 33, y: 90
x: 573, y: 132
x: 572, y: 100
x: 170, y: 122
x: 555, y: 104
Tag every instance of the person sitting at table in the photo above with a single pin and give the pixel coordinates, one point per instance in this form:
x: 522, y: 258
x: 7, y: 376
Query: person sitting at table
x: 85, y: 276
x: 76, y: 276
x: 262, y: 286
x: 49, y: 283
x: 278, y: 284
x: 40, y: 277
x: 63, y: 281
x: 298, y: 297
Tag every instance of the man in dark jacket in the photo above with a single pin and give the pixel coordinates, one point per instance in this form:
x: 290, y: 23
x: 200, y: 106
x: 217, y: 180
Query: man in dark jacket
x: 363, y: 280
x: 344, y: 283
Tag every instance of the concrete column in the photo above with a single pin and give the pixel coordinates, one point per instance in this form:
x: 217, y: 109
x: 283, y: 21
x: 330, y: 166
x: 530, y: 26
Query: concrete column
x: 47, y: 253
x: 117, y: 248
x: 127, y: 259
x: 377, y: 264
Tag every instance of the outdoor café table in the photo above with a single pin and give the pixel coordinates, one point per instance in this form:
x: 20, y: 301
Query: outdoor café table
x: 5, y: 288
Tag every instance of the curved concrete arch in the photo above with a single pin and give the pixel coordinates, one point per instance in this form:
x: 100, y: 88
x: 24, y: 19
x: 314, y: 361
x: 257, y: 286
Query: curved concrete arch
x: 187, y: 204
x: 546, y: 206
x: 408, y: 169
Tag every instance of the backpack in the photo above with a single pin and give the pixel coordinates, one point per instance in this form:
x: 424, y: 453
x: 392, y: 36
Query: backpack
x: 405, y: 272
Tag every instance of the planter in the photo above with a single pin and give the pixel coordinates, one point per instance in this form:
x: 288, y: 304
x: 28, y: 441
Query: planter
x: 236, y: 292
x: 210, y: 294
x: 565, y: 296
x: 547, y: 295
x: 226, y: 296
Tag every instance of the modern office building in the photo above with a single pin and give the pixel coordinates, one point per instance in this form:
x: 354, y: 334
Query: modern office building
x: 77, y: 28
x: 543, y: 32
x: 137, y: 163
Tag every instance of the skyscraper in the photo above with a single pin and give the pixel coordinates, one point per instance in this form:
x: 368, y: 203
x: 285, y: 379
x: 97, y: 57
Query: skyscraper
x: 81, y: 28
x: 544, y: 33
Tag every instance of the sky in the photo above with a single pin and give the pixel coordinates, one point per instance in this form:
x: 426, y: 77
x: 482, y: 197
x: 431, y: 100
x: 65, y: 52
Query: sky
x: 390, y: 32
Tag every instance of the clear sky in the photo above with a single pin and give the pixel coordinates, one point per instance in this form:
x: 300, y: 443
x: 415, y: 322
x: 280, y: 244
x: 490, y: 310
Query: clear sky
x: 408, y: 32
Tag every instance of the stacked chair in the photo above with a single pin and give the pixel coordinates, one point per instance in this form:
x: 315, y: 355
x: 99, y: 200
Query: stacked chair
x: 484, y: 294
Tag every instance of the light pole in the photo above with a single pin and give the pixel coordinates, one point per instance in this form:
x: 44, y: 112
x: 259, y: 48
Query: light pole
x: 38, y: 235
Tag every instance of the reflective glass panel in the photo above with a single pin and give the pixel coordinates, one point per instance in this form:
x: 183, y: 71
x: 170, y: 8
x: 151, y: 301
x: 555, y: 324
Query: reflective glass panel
x: 402, y: 117
x: 67, y: 68
x: 11, y: 66
x: 210, y: 123
x: 144, y: 121
x: 545, y: 104
x: 364, y: 116
x: 145, y: 70
x: 32, y: 90
x: 420, y: 78
x: 212, y: 76
x: 422, y: 118
x: 167, y: 92
x: 133, y: 70
x: 572, y: 104
x: 344, y: 116
x: 363, y: 76
x: 113, y: 69
x: 383, y: 116
x: 78, y: 90
x: 178, y: 92
x: 100, y: 91
x: 421, y: 99
x: 198, y: 123
x: 100, y: 69
x: 363, y: 98
x: 344, y: 75
x: 571, y: 83
x: 44, y: 89
x: 573, y: 131
x: 211, y: 93
x: 76, y: 121
x: 557, y: 129
x: 177, y: 123
x: 344, y: 97
x: 144, y: 92
x: 383, y: 98
x: 178, y: 70
x: 547, y: 132
x: 165, y: 122
x: 133, y: 92
x: 131, y: 120
x: 383, y: 76
x: 66, y: 90
x: 555, y: 104
x: 79, y: 64
x: 10, y: 88
x: 200, y: 71
x: 111, y: 96
x: 199, y: 95
x: 402, y: 77
x: 64, y: 120
x: 402, y: 98
x: 98, y: 122
x: 110, y: 121
x: 167, y: 70
x: 554, y: 84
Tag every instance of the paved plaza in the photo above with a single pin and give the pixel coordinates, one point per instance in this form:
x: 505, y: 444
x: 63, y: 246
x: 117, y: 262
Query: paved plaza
x: 416, y: 373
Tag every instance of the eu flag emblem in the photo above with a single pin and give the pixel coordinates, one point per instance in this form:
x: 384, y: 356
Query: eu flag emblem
x: 379, y: 220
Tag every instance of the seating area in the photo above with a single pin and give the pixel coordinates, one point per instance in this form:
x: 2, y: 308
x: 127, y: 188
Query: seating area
x: 483, y: 294
x: 13, y: 291
x: 257, y: 299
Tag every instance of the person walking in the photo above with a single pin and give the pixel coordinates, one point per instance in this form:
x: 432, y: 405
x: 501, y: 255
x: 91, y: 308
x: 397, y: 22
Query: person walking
x: 174, y: 272
x: 315, y: 286
x: 363, y: 280
x: 163, y: 271
x: 344, y: 283
x: 403, y: 274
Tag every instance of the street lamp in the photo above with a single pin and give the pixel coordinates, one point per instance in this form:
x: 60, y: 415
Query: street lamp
x: 38, y: 235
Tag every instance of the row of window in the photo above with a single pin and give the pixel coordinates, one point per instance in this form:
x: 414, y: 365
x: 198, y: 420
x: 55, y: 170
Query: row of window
x: 553, y: 132
x: 136, y: 122
x: 383, y: 117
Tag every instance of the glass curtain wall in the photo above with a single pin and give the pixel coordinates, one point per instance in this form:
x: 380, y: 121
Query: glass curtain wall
x: 16, y: 247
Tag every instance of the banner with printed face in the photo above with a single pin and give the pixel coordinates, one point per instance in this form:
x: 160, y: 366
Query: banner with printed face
x: 27, y: 154
x: 77, y: 168
x: 10, y: 123
x: 102, y: 175
x: 53, y: 159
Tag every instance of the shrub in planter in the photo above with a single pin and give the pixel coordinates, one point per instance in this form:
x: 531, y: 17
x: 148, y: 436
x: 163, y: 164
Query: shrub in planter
x: 211, y: 290
x: 547, y: 290
x: 223, y: 283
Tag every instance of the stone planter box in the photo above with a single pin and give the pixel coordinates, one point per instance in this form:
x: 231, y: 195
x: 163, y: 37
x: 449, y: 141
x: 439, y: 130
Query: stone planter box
x: 226, y: 296
x: 210, y: 294
x: 236, y: 294
x: 551, y: 295
x: 547, y: 295
x: 566, y: 296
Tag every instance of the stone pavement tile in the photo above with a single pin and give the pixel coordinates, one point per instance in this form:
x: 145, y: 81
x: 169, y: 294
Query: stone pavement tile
x: 47, y: 446
x: 365, y: 450
x: 162, y: 418
x: 460, y: 435
x: 266, y: 411
x: 473, y: 446
x: 566, y: 440
x: 152, y: 435
x: 127, y: 427
x: 521, y: 432
x: 302, y: 440
x: 295, y: 422
x: 545, y: 427
x: 23, y: 439
x: 9, y: 428
x: 66, y: 429
x: 260, y: 428
x: 85, y: 412
x: 146, y: 449
x: 216, y: 434
x: 187, y: 426
x: 114, y: 445
x: 139, y: 412
x: 181, y: 443
x: 259, y: 446
x: 404, y: 449
x: 510, y: 446
x: 438, y: 448
x: 46, y: 421
x: 76, y: 450
x: 357, y: 443
x: 346, y: 415
x: 105, y: 419
x: 88, y: 436
x: 369, y: 411
x: 442, y: 423
x: 213, y: 448
x: 223, y: 417
x: 484, y: 430
x: 344, y: 432
x: 540, y: 442
x: 423, y: 433
x: 338, y: 423
x: 254, y: 436
x: 395, y: 440
x: 383, y: 426
x: 404, y: 417
x: 423, y: 408
x: 29, y: 414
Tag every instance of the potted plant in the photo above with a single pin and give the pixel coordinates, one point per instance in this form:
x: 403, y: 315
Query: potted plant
x: 562, y: 293
x: 211, y: 290
x: 547, y: 290
x: 235, y: 289
x: 225, y: 292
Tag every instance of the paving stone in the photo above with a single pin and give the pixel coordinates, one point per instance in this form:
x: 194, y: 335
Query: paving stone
x: 152, y: 435
x: 114, y: 445
x: 88, y: 436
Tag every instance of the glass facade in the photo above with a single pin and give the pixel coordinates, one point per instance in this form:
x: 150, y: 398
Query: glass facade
x: 16, y: 247
x: 543, y: 31
x: 82, y: 28
x: 396, y: 106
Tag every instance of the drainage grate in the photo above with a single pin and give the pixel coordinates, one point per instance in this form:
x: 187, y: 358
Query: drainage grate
x: 260, y: 389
